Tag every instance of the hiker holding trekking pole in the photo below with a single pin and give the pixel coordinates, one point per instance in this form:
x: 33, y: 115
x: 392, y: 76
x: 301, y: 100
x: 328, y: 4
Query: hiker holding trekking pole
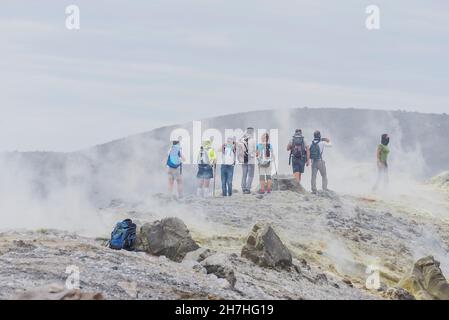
x: 206, y: 163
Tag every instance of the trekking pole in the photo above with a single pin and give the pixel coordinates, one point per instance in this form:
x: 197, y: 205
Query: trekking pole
x: 215, y: 174
x: 276, y: 171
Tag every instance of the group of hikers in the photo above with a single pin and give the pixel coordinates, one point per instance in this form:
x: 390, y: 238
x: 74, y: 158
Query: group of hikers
x: 248, y: 154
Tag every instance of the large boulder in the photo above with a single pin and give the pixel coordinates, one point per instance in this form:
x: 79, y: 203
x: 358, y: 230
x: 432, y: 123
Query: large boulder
x: 219, y: 265
x: 426, y: 280
x: 168, y: 237
x: 284, y: 183
x: 266, y: 249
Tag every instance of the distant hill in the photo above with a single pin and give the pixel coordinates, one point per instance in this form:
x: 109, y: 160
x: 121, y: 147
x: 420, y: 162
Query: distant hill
x: 137, y: 163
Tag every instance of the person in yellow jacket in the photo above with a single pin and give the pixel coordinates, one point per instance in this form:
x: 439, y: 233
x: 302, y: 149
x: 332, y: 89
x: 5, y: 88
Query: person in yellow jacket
x: 206, y: 162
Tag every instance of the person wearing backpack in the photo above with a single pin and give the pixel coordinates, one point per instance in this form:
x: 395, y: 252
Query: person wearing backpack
x: 206, y: 162
x: 299, y: 156
x: 227, y: 167
x: 318, y: 164
x: 246, y: 155
x: 174, y: 165
x: 265, y: 156
x: 382, y: 161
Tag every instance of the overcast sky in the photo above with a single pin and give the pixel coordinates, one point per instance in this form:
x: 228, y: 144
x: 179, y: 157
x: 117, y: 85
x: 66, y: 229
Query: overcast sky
x: 136, y: 65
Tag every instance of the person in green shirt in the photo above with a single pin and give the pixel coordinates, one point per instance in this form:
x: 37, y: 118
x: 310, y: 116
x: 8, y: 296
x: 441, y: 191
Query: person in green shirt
x: 382, y: 162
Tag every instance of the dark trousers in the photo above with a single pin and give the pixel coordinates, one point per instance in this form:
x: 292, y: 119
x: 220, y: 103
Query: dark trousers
x: 227, y: 173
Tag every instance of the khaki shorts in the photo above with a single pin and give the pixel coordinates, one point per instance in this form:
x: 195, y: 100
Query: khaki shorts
x: 173, y: 173
x: 265, y: 171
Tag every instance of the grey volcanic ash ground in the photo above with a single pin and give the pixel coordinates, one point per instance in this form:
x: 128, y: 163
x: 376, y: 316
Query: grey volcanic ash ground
x: 58, y: 210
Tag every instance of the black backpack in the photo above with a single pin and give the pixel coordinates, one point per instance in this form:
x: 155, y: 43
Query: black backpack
x: 298, y: 150
x: 245, y: 155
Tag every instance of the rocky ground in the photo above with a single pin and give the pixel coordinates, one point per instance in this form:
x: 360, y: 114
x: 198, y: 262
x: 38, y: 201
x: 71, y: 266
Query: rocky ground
x: 333, y: 239
x: 34, y: 259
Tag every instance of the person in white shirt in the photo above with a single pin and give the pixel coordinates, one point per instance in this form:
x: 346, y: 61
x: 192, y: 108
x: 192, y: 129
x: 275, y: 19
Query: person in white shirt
x: 318, y: 164
x: 227, y: 167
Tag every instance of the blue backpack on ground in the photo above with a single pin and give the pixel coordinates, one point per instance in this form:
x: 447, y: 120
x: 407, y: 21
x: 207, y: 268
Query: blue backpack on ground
x: 174, y: 157
x: 123, y: 236
x: 315, y: 152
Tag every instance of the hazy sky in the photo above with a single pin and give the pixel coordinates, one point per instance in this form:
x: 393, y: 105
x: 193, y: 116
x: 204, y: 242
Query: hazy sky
x: 136, y: 65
